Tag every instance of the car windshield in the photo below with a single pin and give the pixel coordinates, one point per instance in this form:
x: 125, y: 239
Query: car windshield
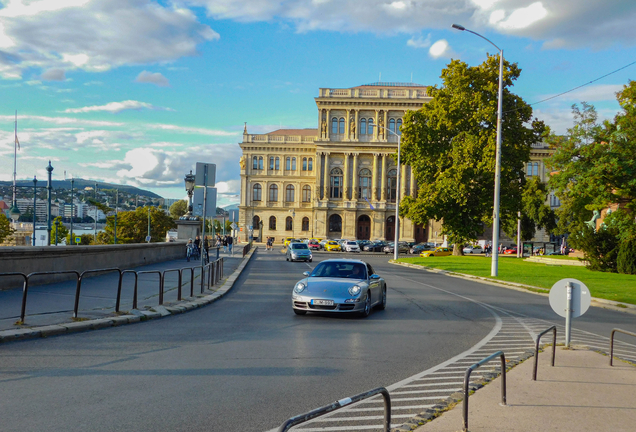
x: 340, y: 270
x: 298, y: 246
x: 352, y: 243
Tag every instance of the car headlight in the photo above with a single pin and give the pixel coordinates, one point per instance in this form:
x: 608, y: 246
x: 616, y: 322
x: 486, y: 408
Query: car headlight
x: 300, y: 287
x: 355, y: 290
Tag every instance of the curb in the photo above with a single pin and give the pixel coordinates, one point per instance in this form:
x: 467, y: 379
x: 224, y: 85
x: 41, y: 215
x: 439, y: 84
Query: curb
x: 135, y: 315
x: 598, y: 302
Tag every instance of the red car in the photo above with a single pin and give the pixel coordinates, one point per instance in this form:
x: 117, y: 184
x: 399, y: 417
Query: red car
x: 314, y: 245
x: 511, y: 251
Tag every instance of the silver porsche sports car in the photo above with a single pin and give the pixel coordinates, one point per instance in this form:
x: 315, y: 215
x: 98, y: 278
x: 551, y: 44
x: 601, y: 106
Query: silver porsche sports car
x: 339, y: 285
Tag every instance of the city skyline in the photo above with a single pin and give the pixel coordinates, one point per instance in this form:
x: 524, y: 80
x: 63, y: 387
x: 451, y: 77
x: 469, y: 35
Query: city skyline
x: 137, y: 91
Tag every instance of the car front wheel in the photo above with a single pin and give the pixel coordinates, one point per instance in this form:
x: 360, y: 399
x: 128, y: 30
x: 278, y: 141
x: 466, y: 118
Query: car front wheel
x: 367, y: 306
x: 382, y: 305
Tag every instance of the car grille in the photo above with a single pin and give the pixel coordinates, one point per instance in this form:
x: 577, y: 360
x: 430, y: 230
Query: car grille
x: 320, y: 307
x: 344, y: 307
x: 300, y: 305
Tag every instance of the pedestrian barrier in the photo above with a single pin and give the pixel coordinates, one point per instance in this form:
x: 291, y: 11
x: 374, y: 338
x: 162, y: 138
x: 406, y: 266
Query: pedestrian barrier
x: 247, y: 248
x: 536, y: 350
x: 210, y: 274
x: 342, y: 403
x: 79, y: 285
x: 467, y: 381
x: 612, y: 342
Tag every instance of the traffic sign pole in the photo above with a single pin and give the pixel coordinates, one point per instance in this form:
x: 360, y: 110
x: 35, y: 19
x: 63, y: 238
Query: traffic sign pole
x: 569, y: 298
x: 568, y: 315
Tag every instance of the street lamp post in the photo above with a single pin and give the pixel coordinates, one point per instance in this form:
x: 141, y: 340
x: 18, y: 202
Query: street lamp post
x: 72, y: 206
x: 57, y: 228
x: 14, y: 211
x: 189, y: 186
x: 95, y: 220
x: 35, y: 195
x: 116, y: 206
x: 49, y: 170
x: 397, y: 196
x: 148, y: 224
x: 495, y: 214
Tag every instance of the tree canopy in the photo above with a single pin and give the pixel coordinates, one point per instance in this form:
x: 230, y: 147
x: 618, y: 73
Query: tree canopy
x: 132, y: 226
x: 450, y: 143
x: 178, y: 209
x: 6, y: 231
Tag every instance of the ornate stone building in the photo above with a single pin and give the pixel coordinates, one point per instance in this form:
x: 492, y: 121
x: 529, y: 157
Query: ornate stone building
x: 336, y: 181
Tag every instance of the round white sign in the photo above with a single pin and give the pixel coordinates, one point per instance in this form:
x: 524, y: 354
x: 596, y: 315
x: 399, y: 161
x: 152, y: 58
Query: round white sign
x: 581, y: 297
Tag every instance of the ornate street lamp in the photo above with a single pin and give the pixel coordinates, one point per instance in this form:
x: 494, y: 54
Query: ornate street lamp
x: 49, y: 170
x: 189, y: 186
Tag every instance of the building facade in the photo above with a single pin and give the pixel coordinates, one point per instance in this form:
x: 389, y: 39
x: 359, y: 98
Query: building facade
x: 338, y: 180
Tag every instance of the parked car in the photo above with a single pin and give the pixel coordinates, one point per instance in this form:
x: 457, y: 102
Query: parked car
x: 297, y: 251
x: 511, y: 251
x: 288, y: 240
x: 350, y: 246
x: 332, y: 246
x: 322, y: 243
x: 473, y: 250
x: 313, y: 245
x: 421, y: 247
x: 403, y: 247
x: 438, y: 251
x: 375, y: 246
x: 339, y: 285
x: 363, y: 243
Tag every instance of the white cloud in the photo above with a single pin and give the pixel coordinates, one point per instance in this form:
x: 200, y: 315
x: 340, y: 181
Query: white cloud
x: 53, y: 75
x: 60, y: 120
x: 519, y: 18
x: 95, y: 35
x: 440, y: 49
x: 115, y: 107
x: 200, y: 131
x: 152, y: 78
x: 591, y: 93
x: 419, y: 42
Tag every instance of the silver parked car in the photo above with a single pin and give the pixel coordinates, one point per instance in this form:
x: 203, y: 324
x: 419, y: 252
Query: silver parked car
x: 298, y: 252
x: 339, y: 285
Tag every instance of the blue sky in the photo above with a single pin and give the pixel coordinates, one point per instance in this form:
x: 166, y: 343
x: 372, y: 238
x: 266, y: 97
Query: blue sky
x: 138, y: 91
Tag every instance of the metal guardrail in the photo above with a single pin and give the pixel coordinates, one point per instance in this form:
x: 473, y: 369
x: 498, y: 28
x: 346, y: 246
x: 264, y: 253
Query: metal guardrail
x: 536, y: 350
x: 210, y: 275
x: 467, y: 381
x: 612, y: 342
x: 342, y: 403
x: 247, y: 248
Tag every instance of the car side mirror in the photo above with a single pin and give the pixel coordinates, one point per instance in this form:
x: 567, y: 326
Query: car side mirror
x: 305, y: 273
x: 374, y: 276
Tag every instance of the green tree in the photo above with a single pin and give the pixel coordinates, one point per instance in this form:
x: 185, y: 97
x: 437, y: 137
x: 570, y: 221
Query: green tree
x: 450, y: 143
x: 178, y: 209
x: 62, y: 231
x: 6, y: 231
x: 535, y: 213
x: 132, y: 226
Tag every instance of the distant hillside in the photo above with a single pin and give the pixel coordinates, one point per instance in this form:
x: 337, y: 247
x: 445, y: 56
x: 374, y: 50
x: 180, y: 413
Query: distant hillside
x: 81, y: 184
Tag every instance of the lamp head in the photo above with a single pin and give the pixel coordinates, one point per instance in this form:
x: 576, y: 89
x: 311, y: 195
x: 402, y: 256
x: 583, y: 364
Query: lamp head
x: 14, y: 213
x: 189, y: 182
x: 459, y: 27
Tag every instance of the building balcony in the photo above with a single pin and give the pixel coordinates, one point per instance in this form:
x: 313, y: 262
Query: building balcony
x: 377, y: 93
x: 279, y: 139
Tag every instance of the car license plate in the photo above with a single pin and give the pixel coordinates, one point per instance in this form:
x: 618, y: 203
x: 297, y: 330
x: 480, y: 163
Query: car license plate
x: 322, y: 302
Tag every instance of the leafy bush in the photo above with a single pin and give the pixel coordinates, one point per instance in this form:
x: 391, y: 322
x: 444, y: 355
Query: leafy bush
x: 626, y: 261
x: 600, y: 248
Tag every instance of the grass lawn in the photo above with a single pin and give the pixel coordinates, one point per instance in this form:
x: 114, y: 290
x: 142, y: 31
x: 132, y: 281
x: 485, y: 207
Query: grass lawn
x: 609, y: 286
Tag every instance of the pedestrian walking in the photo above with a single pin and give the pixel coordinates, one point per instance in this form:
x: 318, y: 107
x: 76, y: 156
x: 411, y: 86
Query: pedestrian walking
x: 225, y: 244
x: 230, y: 241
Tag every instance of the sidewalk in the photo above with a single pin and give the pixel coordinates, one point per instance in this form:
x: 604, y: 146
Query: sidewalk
x: 580, y: 393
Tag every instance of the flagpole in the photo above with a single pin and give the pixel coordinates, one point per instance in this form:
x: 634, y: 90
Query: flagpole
x: 14, y: 212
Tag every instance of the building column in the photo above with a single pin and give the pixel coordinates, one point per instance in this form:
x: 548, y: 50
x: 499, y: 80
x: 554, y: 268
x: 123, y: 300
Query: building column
x: 346, y: 183
x: 347, y: 130
x: 383, y: 179
x: 354, y: 193
x: 403, y: 181
x: 317, y: 190
x: 357, y: 120
x: 326, y: 177
x: 328, y: 125
x: 386, y: 125
x: 413, y: 185
x: 376, y: 128
x: 374, y: 177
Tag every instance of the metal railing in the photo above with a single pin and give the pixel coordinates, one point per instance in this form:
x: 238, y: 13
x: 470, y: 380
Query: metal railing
x: 342, y: 403
x: 612, y: 342
x: 536, y: 350
x: 210, y: 275
x: 247, y: 248
x: 467, y: 381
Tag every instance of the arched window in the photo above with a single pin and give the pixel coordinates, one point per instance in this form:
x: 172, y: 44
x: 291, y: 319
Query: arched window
x: 392, y: 125
x: 293, y: 164
x: 272, y: 223
x: 257, y: 190
x: 254, y: 162
x: 363, y: 126
x: 335, y: 223
x: 260, y: 162
x: 399, y: 126
x: 370, y: 127
x: 306, y: 193
x: 365, y: 184
x: 305, y: 226
x: 273, y: 193
x: 256, y: 221
x: 289, y: 193
x: 277, y: 164
x: 391, y: 185
x: 535, y: 169
x: 341, y: 130
x: 288, y: 163
x: 334, y: 125
x: 336, y: 183
x: 289, y: 223
x: 271, y: 162
x: 529, y: 169
x: 311, y: 164
x: 304, y: 164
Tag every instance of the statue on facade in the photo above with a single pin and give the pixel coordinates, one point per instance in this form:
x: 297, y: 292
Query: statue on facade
x: 352, y: 128
x: 381, y: 127
x: 242, y: 162
x: 323, y: 129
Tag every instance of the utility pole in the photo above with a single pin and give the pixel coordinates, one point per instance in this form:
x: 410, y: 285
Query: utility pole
x: 116, y: 205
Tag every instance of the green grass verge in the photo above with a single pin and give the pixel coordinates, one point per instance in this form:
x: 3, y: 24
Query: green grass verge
x: 609, y: 286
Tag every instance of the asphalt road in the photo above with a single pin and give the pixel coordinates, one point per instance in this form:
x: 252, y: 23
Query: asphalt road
x: 247, y: 363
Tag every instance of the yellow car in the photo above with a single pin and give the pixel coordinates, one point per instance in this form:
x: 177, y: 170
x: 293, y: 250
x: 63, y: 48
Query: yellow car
x: 438, y: 251
x: 288, y: 240
x: 332, y: 246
